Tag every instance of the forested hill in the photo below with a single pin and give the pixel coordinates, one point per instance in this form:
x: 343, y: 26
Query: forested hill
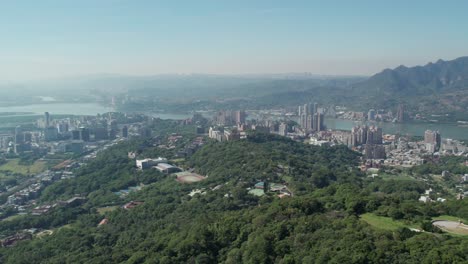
x: 277, y: 159
x: 435, y: 88
x: 225, y: 223
x: 441, y: 76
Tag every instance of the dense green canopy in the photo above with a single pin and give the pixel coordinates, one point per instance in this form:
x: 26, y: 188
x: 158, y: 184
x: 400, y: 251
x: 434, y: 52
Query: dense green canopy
x: 319, y: 223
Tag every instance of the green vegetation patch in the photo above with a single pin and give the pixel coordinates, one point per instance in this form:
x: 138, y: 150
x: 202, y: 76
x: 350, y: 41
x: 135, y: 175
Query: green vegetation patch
x: 449, y: 218
x: 104, y: 210
x: 400, y: 177
x: 383, y: 222
x: 14, y: 166
x: 13, y: 217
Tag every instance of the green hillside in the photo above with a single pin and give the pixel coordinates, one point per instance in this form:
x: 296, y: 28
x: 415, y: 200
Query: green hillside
x: 319, y: 223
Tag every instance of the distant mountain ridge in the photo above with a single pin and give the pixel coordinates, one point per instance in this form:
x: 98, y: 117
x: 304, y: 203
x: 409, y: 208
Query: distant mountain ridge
x: 441, y: 76
x: 436, y: 88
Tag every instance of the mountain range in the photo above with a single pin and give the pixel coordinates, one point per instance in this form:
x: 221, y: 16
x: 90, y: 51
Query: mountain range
x: 441, y: 76
x: 440, y: 87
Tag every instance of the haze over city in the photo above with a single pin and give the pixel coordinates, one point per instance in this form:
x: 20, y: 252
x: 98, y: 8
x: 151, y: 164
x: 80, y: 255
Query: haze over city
x: 53, y: 39
x: 243, y: 131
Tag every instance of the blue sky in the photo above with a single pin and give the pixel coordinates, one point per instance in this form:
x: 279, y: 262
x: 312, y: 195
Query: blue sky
x: 44, y: 39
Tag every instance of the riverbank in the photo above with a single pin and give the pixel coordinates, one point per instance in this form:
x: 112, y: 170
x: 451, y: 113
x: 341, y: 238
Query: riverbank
x: 447, y: 130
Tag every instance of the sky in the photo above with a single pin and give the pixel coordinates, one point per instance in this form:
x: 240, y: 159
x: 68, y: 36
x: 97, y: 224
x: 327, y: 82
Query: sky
x: 49, y: 39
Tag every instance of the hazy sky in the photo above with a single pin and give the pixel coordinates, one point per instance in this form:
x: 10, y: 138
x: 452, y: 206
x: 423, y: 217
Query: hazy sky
x: 43, y: 39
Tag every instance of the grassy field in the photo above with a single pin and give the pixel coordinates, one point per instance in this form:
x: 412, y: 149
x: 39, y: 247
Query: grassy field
x: 13, y: 217
x: 14, y: 166
x: 382, y: 222
x: 400, y: 177
x: 449, y: 218
x: 287, y: 178
x: 106, y: 209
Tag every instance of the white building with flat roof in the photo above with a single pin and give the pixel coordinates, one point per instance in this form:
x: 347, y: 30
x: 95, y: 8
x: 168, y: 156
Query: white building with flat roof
x: 148, y: 163
x: 167, y: 168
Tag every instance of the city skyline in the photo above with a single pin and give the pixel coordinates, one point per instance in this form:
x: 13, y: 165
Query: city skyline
x: 54, y: 39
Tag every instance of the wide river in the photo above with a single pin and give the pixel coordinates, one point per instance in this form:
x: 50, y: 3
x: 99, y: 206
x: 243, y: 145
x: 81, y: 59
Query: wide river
x: 58, y: 109
x: 453, y: 131
x: 413, y: 129
x: 73, y: 109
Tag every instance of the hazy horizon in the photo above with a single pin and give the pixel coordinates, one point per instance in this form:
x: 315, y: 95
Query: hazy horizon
x: 61, y: 39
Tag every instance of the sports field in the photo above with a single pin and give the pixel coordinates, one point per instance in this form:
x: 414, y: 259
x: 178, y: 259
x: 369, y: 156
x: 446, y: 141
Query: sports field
x: 189, y: 177
x: 454, y: 227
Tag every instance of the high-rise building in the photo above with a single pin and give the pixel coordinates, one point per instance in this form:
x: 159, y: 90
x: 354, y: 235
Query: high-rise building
x: 283, y: 129
x: 50, y: 133
x: 315, y: 108
x: 19, y: 140
x: 62, y: 127
x: 221, y: 118
x: 319, y: 126
x: 371, y: 138
x: 100, y: 133
x: 317, y: 122
x: 371, y: 115
x: 19, y: 136
x: 113, y: 124
x: 28, y: 137
x: 362, y: 135
x: 124, y: 131
x: 309, y: 117
x: 306, y: 109
x: 432, y: 140
x: 144, y: 132
x: 401, y: 115
x: 47, y: 119
x: 374, y: 135
x: 84, y: 134
x: 239, y: 117
x: 310, y: 123
x: 75, y: 134
x: 373, y: 151
x: 303, y: 121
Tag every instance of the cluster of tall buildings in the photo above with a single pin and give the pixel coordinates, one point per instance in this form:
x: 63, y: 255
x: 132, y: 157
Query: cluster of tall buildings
x: 432, y: 140
x: 102, y: 128
x: 310, y: 119
x: 283, y: 129
x: 371, y: 139
x: 361, y: 135
x: 227, y: 118
x: 22, y: 140
x: 223, y: 134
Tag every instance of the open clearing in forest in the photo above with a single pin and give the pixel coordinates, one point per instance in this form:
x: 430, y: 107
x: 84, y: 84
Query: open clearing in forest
x: 103, y: 210
x: 382, y: 222
x: 189, y: 177
x: 454, y: 227
x: 14, y: 167
x: 398, y: 177
x: 449, y: 218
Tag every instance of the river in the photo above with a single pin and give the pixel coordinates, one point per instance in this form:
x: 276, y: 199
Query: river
x: 413, y: 129
x: 73, y: 109
x: 58, y: 109
x: 453, y: 131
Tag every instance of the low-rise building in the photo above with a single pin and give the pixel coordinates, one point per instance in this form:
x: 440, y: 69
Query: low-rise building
x: 167, y: 168
x: 148, y: 163
x: 425, y: 199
